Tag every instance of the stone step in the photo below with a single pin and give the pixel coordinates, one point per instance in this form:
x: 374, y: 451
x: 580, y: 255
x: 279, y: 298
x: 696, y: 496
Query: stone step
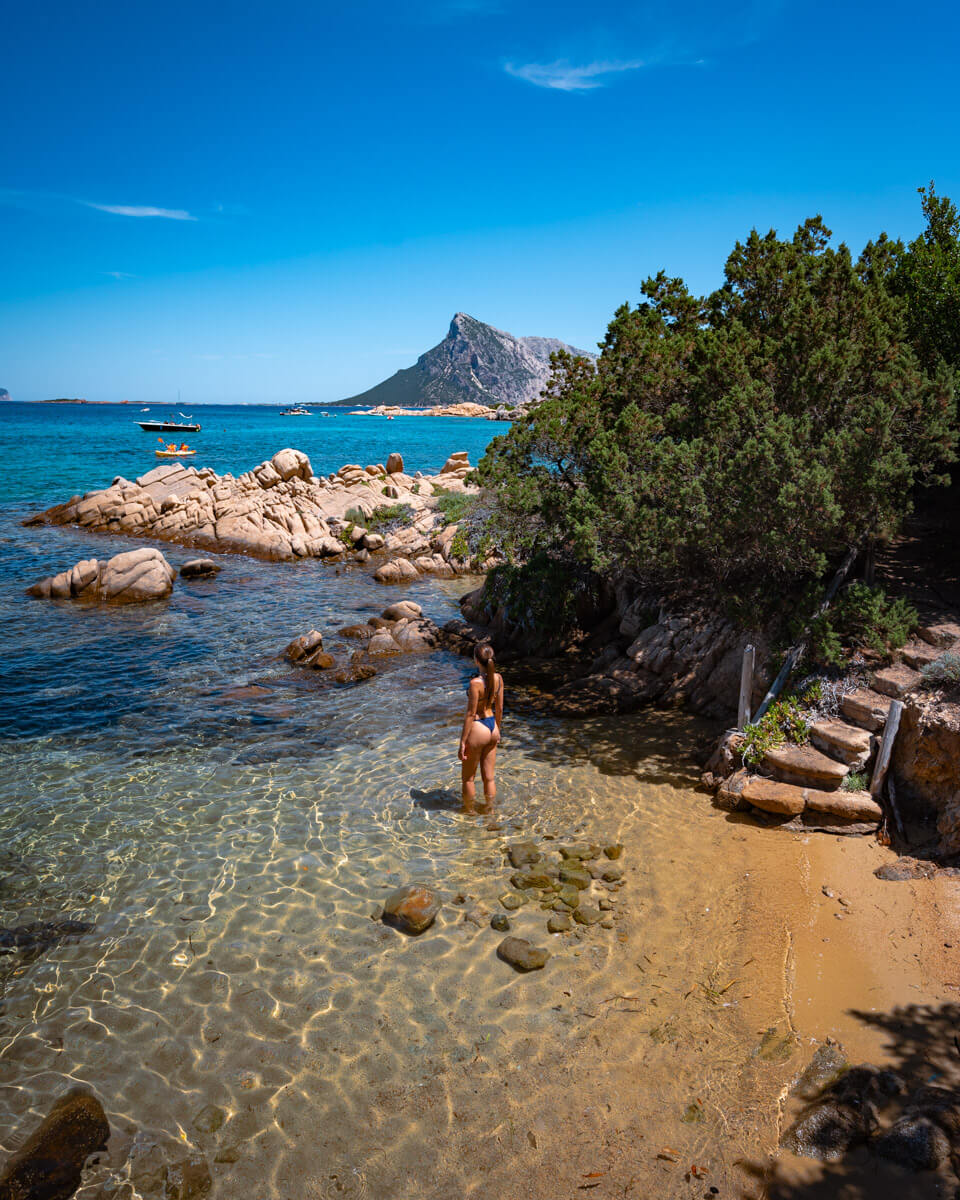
x: 789, y: 799
x: 846, y: 743
x: 917, y: 654
x: 805, y: 766
x: 866, y: 708
x: 896, y: 681
x: 943, y: 634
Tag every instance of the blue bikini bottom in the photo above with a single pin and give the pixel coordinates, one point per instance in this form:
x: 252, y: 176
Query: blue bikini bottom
x: 490, y: 722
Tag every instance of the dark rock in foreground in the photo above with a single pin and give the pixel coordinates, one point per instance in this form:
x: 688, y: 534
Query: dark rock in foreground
x: 199, y: 568
x: 49, y: 1164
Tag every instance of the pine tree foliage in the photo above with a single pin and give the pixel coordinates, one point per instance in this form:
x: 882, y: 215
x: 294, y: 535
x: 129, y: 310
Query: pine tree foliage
x: 738, y: 441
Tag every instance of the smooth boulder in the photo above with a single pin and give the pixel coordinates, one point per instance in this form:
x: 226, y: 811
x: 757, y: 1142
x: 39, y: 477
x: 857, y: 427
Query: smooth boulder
x: 412, y: 908
x: 134, y: 577
x: 307, y: 651
x: 521, y: 955
x: 394, y: 464
x: 48, y: 1166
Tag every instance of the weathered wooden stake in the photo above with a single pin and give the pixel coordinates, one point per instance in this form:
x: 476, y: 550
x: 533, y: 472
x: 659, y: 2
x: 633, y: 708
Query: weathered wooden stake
x: 886, y: 748
x: 746, y: 687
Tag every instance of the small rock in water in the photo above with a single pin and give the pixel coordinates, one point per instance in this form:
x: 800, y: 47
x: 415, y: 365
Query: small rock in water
x: 513, y: 900
x: 209, y: 1119
x: 569, y: 895
x: 606, y: 923
x: 530, y: 879
x: 49, y: 1163
x: 520, y: 954
x: 161, y: 1166
x: 500, y: 923
x: 582, y: 851
x: 611, y: 874
x: 199, y: 568
x: 613, y: 851
x: 521, y: 854
x: 411, y: 909
x: 586, y: 914
x: 575, y: 875
x: 560, y: 923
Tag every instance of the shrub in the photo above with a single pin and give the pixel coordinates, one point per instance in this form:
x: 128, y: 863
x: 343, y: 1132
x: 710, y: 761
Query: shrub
x: 862, y: 617
x: 383, y: 515
x: 942, y: 672
x: 856, y: 781
x: 735, y: 443
x: 455, y: 506
x: 784, y: 721
x: 543, y: 595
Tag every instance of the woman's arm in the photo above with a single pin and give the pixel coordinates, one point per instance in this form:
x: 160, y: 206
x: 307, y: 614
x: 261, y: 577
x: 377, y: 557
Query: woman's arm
x: 498, y: 707
x: 473, y: 695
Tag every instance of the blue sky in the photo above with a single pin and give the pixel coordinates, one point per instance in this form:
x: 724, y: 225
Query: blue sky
x: 288, y: 201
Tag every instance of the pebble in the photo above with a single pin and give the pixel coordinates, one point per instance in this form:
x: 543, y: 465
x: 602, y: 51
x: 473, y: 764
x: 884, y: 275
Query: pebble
x: 613, y: 851
x: 586, y: 914
x: 500, y: 923
x: 521, y: 955
x: 612, y: 874
x: 209, y: 1119
x: 560, y: 923
x: 522, y: 853
x: 513, y: 900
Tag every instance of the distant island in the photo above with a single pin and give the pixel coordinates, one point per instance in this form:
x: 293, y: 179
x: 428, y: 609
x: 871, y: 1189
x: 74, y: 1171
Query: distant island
x: 474, y: 364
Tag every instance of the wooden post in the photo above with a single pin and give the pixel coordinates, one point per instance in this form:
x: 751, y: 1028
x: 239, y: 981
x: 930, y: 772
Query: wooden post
x: 886, y: 748
x: 746, y: 687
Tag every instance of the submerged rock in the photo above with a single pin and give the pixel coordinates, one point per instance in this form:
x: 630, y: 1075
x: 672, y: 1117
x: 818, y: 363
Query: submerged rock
x: 522, y: 854
x: 520, y: 954
x: 39, y: 935
x: 914, y: 1142
x: 164, y: 1168
x: 500, y: 923
x: 199, y: 568
x: 412, y: 908
x: 307, y: 651
x: 560, y: 923
x: 48, y: 1166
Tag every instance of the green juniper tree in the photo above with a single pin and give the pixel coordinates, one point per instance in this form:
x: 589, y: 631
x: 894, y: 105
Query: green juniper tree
x: 734, y: 443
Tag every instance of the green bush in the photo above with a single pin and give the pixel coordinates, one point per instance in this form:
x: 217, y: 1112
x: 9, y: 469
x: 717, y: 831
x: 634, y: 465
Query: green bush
x: 542, y: 596
x: 856, y: 781
x: 861, y: 618
x: 942, y: 672
x: 455, y: 506
x: 784, y: 721
x: 384, y: 514
x: 731, y: 444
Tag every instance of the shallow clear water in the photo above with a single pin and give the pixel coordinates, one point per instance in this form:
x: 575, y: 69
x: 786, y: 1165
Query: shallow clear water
x: 229, y: 825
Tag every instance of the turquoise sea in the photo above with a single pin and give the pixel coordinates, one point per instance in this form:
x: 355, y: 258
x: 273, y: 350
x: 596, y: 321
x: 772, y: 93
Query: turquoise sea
x: 226, y: 825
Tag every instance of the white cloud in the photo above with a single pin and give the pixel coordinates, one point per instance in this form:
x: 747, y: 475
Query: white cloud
x: 142, y: 210
x: 564, y: 76
x: 119, y: 275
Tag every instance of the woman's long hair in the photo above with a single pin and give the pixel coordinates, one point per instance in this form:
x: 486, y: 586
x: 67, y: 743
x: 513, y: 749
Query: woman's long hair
x: 484, y: 660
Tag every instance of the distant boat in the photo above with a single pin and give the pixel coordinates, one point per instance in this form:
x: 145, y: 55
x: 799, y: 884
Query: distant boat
x: 144, y: 409
x: 174, y: 453
x: 169, y: 426
x: 296, y: 412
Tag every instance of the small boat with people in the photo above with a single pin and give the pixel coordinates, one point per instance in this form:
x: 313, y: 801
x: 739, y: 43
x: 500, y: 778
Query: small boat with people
x: 297, y: 411
x: 172, y: 450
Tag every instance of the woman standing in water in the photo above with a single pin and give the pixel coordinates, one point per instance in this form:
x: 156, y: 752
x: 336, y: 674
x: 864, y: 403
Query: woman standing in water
x: 481, y: 730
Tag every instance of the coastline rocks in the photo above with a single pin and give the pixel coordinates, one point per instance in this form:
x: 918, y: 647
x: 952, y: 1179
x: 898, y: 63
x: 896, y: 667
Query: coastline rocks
x: 199, y: 568
x: 133, y: 577
x: 279, y: 510
x: 411, y: 909
x: 49, y: 1164
x: 394, y: 463
x: 521, y: 955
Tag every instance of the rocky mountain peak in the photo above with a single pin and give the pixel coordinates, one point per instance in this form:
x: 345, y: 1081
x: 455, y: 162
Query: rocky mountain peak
x: 474, y: 362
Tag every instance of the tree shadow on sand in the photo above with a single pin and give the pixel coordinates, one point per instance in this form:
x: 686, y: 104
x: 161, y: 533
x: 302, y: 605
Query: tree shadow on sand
x: 923, y: 1046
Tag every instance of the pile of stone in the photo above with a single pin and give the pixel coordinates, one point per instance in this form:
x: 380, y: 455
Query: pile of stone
x: 280, y: 511
x: 400, y: 629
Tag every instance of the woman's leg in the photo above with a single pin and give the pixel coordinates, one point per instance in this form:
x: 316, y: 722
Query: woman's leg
x: 477, y: 740
x: 488, y: 765
x: 468, y: 769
